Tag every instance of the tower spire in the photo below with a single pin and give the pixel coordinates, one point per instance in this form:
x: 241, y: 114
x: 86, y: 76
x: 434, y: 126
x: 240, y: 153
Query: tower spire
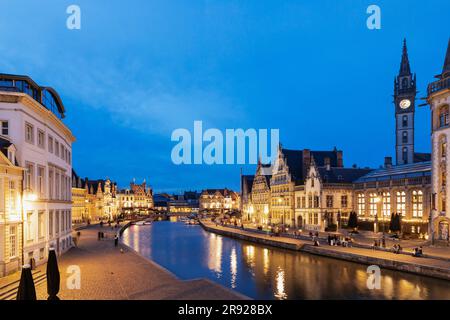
x: 405, y: 70
x: 446, y: 68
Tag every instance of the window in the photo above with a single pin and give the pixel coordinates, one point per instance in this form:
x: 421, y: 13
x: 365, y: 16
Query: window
x: 310, y: 201
x: 405, y: 137
x: 303, y: 202
x: 41, y: 253
x: 4, y: 127
x: 329, y: 200
x: 417, y: 202
x: 443, y: 116
x: 316, y: 201
x: 405, y: 121
x: 401, y: 203
x: 29, y: 176
x: 405, y: 155
x: 344, y: 201
x: 40, y: 181
x: 50, y: 223
x: 443, y: 149
x: 12, y: 196
x: 50, y: 144
x: 50, y: 183
x: 62, y: 151
x: 57, y: 186
x: 29, y: 226
x: 41, y: 226
x: 361, y: 204
x: 386, y: 209
x: 41, y: 139
x: 57, y: 148
x: 57, y: 222
x: 12, y: 241
x: 373, y: 204
x: 29, y: 133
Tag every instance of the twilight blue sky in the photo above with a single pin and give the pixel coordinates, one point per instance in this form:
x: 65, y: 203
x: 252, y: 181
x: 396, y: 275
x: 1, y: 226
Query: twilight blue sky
x: 137, y: 70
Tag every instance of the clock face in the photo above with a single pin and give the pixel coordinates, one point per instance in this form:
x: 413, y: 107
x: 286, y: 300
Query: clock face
x: 405, y: 103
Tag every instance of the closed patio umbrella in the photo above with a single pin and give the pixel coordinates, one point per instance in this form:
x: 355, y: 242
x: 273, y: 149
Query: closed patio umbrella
x: 53, y: 277
x: 26, y: 290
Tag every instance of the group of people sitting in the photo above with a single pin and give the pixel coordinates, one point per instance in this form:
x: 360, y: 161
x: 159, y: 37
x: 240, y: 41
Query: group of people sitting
x: 396, y: 248
x: 334, y: 240
x: 418, y: 252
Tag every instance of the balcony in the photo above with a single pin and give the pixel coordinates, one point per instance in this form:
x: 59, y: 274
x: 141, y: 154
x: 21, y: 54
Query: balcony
x: 438, y: 86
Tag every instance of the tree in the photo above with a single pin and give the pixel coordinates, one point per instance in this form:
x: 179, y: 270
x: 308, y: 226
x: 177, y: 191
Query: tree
x: 395, y: 224
x: 352, y: 220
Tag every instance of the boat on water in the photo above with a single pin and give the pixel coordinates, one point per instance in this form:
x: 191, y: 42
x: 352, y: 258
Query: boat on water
x: 191, y: 222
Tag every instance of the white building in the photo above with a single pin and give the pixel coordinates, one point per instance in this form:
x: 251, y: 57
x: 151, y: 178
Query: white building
x: 31, y: 118
x: 439, y: 101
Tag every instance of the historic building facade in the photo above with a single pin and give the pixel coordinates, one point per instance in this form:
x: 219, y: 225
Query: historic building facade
x: 11, y: 175
x: 312, y: 190
x: 326, y: 197
x: 136, y: 199
x: 31, y: 118
x: 219, y: 201
x: 439, y: 101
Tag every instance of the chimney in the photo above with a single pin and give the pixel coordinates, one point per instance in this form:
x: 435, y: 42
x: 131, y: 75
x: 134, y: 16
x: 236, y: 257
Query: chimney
x: 387, y: 162
x: 327, y: 163
x: 340, y: 160
x: 306, y: 160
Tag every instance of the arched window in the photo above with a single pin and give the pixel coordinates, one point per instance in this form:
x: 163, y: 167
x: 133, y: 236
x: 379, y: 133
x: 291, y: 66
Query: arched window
x: 405, y: 137
x: 443, y: 116
x: 405, y: 155
x: 373, y: 204
x: 405, y: 121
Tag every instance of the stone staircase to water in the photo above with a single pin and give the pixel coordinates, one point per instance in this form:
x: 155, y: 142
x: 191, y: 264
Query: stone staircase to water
x: 8, y: 291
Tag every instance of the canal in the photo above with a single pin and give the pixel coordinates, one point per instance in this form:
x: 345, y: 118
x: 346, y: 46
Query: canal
x: 269, y: 273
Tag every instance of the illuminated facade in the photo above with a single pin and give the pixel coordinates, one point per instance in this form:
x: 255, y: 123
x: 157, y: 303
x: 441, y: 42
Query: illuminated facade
x: 219, y: 200
x: 11, y: 253
x: 326, y: 196
x: 439, y: 101
x: 31, y: 118
x: 137, y: 199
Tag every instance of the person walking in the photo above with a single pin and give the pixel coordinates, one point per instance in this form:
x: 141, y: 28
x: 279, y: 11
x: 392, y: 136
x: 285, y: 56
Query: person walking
x: 116, y: 240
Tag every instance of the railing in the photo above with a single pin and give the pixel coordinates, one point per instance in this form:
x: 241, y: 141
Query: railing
x: 439, y: 85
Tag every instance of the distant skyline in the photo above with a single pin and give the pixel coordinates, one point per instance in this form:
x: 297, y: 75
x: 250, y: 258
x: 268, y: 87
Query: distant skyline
x: 138, y: 70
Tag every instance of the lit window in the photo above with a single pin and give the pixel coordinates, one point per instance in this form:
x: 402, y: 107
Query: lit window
x: 401, y: 203
x: 373, y: 204
x: 361, y: 204
x: 344, y: 201
x: 386, y: 204
x: 12, y: 241
x: 417, y: 201
x: 329, y: 200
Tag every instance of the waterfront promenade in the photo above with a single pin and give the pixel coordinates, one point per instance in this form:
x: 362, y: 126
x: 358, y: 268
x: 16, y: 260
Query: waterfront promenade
x: 109, y: 274
x: 439, y: 268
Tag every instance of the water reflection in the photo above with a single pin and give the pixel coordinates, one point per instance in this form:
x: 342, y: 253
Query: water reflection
x: 267, y: 273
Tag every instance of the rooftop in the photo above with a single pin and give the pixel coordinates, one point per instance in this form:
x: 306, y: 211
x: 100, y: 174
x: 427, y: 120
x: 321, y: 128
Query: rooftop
x: 412, y: 170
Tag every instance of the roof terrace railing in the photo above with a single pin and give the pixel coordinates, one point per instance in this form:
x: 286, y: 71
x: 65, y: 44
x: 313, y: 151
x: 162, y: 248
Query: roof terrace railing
x: 438, y: 85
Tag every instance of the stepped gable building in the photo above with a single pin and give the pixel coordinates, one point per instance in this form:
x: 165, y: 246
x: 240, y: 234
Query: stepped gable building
x: 246, y: 192
x: 32, y: 128
x: 289, y: 170
x: 326, y: 197
x: 136, y: 199
x: 438, y: 98
x: 219, y: 200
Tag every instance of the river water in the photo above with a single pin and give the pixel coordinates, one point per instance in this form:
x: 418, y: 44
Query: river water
x: 270, y: 273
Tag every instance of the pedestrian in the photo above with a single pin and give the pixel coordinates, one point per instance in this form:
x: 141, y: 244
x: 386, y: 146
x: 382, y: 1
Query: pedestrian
x: 116, y: 240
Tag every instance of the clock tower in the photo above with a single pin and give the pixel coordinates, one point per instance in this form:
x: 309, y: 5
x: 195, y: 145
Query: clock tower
x: 404, y: 99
